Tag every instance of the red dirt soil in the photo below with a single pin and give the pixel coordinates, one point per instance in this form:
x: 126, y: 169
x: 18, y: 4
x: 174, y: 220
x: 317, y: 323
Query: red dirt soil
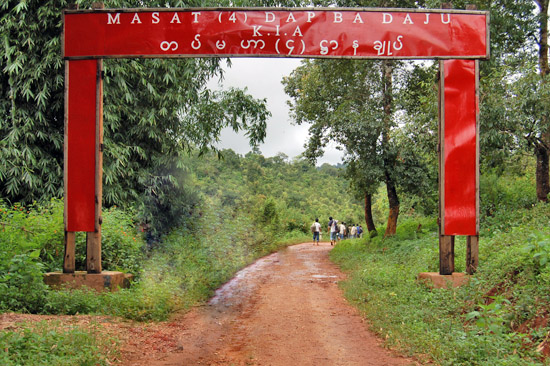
x: 285, y: 309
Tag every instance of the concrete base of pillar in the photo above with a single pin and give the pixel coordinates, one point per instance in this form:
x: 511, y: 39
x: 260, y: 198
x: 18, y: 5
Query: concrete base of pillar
x: 435, y: 280
x: 104, y: 281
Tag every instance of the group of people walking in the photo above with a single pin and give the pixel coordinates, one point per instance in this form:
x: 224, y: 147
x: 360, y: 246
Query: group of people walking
x: 337, y: 231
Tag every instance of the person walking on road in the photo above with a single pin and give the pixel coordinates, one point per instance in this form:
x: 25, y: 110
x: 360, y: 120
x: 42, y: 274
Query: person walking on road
x: 333, y: 230
x: 353, y: 232
x: 359, y: 231
x: 316, y: 230
x: 341, y: 230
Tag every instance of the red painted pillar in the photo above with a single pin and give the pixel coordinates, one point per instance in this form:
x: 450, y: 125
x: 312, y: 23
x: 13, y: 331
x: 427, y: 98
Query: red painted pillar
x: 82, y: 163
x: 459, y: 160
x: 80, y: 141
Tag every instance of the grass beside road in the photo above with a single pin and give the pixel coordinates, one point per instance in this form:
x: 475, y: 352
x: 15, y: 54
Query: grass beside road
x: 492, y: 321
x: 53, y: 343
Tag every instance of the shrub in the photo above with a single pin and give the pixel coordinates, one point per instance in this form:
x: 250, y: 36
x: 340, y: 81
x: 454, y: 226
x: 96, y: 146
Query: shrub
x: 32, y: 243
x: 40, y: 227
x: 45, y: 344
x: 122, y: 246
x: 72, y: 302
x: 21, y: 284
x: 169, y: 201
x: 506, y: 192
x: 37, y: 227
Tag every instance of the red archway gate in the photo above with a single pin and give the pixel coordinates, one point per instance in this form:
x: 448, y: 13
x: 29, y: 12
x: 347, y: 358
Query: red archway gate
x: 458, y: 38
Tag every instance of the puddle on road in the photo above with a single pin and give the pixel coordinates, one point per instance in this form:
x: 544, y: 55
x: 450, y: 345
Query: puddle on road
x: 239, y: 288
x: 236, y: 286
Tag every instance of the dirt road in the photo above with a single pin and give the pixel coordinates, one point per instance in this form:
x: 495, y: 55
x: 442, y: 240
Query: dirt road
x: 286, y: 309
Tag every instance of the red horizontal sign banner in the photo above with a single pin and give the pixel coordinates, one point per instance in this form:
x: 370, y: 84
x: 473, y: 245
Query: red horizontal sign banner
x: 349, y: 33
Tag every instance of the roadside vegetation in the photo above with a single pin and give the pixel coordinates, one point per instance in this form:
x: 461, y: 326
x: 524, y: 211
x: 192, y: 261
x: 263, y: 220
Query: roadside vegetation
x: 53, y: 343
x: 229, y: 227
x: 500, y: 318
x: 255, y: 211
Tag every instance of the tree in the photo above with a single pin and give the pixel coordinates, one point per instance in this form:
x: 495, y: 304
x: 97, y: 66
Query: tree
x: 518, y: 101
x: 542, y: 147
x: 154, y: 110
x: 352, y: 103
x: 337, y: 113
x: 519, y: 34
x: 517, y: 29
x: 360, y: 182
x: 384, y: 97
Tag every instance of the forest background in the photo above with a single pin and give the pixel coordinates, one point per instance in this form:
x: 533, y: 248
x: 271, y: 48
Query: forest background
x: 208, y: 213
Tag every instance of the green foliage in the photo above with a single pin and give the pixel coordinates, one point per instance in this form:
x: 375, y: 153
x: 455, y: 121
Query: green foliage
x: 506, y: 192
x: 269, y: 214
x: 152, y: 302
x: 486, y: 322
x: 32, y: 243
x: 71, y: 302
x: 21, y: 284
x: 169, y: 201
x: 29, y: 246
x: 342, y: 101
x: 514, y: 108
x: 38, y: 228
x: 154, y: 110
x: 414, y: 228
x: 538, y: 248
x: 46, y: 344
x: 33, y: 228
x: 282, y: 196
x: 121, y: 243
x: 491, y: 318
x: 31, y: 99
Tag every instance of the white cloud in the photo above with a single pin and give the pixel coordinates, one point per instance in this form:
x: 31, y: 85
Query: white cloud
x: 262, y: 77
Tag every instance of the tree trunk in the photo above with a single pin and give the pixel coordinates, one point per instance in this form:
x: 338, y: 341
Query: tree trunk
x: 368, y: 213
x: 542, y: 172
x: 394, y: 207
x: 387, y: 71
x: 542, y: 152
x: 543, y: 43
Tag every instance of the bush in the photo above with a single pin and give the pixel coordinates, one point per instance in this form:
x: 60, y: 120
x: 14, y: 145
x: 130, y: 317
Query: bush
x: 122, y: 246
x: 37, y: 227
x: 72, y: 302
x: 168, y: 202
x: 45, y: 344
x: 506, y: 192
x: 32, y: 243
x: 413, y: 228
x: 40, y: 227
x: 22, y: 286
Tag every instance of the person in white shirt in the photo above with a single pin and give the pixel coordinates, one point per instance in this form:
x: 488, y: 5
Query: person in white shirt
x: 333, y: 230
x: 316, y: 228
x: 342, y: 230
x: 353, y: 232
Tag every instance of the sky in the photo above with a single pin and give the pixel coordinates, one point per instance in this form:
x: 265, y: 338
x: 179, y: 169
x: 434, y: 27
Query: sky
x: 262, y: 77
